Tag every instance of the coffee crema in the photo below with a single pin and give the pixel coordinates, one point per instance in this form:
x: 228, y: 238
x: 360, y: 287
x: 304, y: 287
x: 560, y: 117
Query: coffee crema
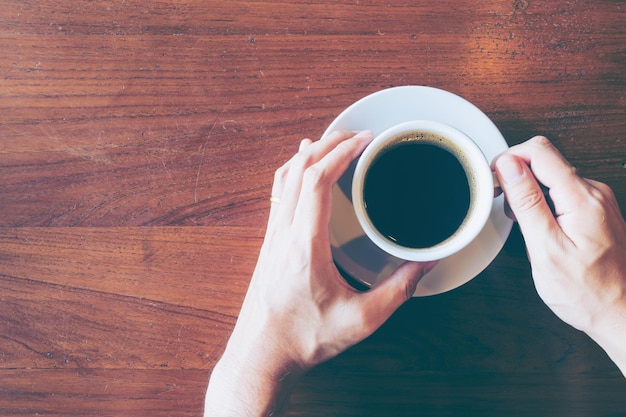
x: 416, y: 192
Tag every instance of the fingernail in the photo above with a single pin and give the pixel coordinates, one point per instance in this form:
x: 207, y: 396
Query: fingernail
x: 363, y: 134
x: 304, y: 143
x: 429, y: 267
x: 426, y: 268
x: 510, y: 169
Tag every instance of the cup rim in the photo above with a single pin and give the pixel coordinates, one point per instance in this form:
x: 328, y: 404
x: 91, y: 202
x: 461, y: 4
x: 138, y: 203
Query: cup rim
x: 483, y: 201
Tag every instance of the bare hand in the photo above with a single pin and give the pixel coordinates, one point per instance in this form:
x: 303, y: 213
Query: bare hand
x: 578, y: 254
x: 299, y: 311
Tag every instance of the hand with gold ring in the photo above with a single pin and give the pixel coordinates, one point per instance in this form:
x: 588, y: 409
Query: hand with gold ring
x: 299, y: 311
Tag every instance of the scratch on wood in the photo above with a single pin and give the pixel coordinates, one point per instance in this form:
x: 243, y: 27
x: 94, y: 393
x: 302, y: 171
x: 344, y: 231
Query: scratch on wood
x: 84, y: 152
x: 167, y: 171
x: 195, y: 189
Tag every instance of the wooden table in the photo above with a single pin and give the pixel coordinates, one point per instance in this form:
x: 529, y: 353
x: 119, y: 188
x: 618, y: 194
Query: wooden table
x: 138, y: 141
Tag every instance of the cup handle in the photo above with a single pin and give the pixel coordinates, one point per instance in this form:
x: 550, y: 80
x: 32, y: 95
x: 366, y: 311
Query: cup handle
x: 496, y: 183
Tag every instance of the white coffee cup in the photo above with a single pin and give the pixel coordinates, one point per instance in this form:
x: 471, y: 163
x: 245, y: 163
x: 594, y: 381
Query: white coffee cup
x: 441, y: 136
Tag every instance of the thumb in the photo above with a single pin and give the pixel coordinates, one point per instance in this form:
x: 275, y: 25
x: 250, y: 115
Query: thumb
x: 387, y: 296
x: 526, y: 199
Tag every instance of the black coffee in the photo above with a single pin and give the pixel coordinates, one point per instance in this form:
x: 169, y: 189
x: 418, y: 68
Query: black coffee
x: 416, y: 194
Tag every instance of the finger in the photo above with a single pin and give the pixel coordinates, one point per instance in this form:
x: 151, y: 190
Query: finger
x: 552, y: 170
x: 280, y: 177
x: 598, y: 217
x: 319, y: 179
x: 548, y: 164
x: 526, y: 200
x: 304, y: 144
x: 305, y: 158
x: 381, y: 301
x: 277, y: 189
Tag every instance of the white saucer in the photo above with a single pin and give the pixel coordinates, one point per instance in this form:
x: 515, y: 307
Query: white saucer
x: 352, y: 250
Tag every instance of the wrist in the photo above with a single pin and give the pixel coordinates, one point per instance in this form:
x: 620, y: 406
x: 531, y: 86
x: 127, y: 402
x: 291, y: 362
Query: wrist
x: 610, y: 334
x: 254, y: 377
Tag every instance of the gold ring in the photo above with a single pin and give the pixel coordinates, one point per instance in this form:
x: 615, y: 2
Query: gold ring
x: 274, y: 199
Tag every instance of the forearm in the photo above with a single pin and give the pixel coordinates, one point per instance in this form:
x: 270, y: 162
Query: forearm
x: 234, y: 392
x: 249, y: 381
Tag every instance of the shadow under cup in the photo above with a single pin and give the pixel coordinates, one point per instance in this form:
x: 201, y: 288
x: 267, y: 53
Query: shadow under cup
x: 422, y: 191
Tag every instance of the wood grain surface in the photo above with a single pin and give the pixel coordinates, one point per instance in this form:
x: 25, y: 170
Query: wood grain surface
x: 138, y: 142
